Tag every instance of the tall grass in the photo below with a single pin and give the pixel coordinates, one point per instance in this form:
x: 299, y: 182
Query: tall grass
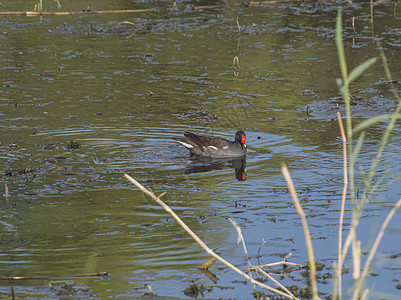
x: 284, y: 292
x: 350, y: 154
x: 351, y: 149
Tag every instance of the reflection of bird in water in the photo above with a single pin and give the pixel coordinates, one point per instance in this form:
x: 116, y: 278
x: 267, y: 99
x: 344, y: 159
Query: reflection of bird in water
x: 239, y: 166
x: 199, y: 164
x: 215, y: 147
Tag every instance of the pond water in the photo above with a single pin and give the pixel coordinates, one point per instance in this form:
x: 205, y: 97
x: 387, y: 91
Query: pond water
x: 85, y: 99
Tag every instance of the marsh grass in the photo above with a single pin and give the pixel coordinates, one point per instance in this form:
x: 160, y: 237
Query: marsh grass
x: 351, y: 151
x: 202, y: 244
x: 350, y: 154
x: 351, y: 148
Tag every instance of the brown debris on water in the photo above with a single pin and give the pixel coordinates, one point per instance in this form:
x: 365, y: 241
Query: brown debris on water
x: 19, y: 172
x: 72, y: 145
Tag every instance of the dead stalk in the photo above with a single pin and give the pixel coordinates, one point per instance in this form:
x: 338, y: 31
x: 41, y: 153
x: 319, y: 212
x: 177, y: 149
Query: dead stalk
x: 241, y: 240
x: 6, y: 190
x: 20, y: 278
x: 236, y: 62
x: 350, y: 237
x: 260, y: 270
x: 356, y: 261
x: 200, y: 242
x: 239, y: 27
x: 300, y: 211
x: 345, y: 187
x: 283, y: 262
x: 173, y: 7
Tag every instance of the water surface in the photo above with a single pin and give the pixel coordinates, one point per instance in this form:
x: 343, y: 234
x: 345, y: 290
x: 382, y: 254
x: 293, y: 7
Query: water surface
x: 85, y: 99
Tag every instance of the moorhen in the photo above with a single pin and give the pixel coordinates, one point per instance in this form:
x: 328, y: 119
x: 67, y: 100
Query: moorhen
x: 216, y: 147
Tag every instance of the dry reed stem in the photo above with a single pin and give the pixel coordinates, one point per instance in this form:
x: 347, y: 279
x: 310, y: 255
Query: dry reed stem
x: 127, y: 22
x: 251, y: 3
x: 276, y: 264
x: 356, y: 261
x: 6, y: 190
x: 372, y: 251
x: 241, y: 240
x: 63, y: 13
x: 98, y: 274
x: 344, y: 195
x: 200, y: 242
x: 239, y: 27
x: 335, y: 284
x: 274, y: 280
x: 258, y: 3
x: 285, y: 273
x: 300, y: 211
x: 236, y: 62
x: 173, y: 7
x: 351, y: 236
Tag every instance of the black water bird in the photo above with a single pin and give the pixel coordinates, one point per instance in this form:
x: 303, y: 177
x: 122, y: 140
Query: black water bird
x: 216, y: 147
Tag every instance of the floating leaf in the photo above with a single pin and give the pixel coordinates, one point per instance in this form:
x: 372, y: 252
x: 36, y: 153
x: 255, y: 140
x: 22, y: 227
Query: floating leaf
x: 208, y: 263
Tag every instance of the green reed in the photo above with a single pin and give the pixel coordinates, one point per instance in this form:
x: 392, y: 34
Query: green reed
x: 359, y: 203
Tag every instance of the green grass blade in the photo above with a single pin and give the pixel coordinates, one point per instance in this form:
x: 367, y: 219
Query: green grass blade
x: 340, y: 45
x: 358, y: 146
x: 357, y: 71
x: 369, y: 122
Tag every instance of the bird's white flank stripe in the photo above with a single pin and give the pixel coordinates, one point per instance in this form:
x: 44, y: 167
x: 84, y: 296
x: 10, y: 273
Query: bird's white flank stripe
x: 225, y: 147
x: 189, y: 146
x: 213, y: 147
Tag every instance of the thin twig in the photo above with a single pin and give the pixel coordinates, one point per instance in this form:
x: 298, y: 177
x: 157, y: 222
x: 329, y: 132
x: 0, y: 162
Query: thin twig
x: 54, y: 277
x: 200, y: 242
x: 300, y: 211
x: 173, y: 7
x: 276, y: 264
x: 239, y: 27
x: 241, y: 239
